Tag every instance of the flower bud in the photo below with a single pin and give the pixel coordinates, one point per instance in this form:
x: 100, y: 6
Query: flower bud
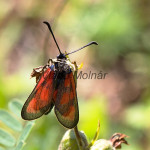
x: 102, y: 145
x: 69, y: 141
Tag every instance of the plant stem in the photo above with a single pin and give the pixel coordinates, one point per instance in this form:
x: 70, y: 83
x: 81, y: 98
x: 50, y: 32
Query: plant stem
x: 96, y: 136
x: 78, y: 138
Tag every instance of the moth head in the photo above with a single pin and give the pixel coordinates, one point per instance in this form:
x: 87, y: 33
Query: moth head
x: 61, y: 56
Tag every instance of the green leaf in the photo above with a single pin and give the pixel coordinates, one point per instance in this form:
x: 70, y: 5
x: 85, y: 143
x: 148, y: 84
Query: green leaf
x: 10, y: 121
x: 26, y: 131
x: 19, y: 146
x: 15, y: 106
x: 6, y: 139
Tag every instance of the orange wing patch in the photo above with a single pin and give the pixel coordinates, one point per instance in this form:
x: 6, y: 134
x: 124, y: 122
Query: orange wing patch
x: 34, y: 108
x: 70, y: 114
x: 64, y: 99
x: 40, y: 100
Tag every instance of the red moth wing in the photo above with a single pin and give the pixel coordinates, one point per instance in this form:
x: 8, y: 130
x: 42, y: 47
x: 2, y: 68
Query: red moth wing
x: 66, y: 104
x: 40, y: 100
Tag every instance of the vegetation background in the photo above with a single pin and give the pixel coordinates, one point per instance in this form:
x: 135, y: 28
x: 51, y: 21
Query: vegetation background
x: 122, y: 28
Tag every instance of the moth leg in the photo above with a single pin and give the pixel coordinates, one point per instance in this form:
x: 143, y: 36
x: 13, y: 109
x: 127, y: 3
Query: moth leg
x: 50, y: 60
x: 47, y: 65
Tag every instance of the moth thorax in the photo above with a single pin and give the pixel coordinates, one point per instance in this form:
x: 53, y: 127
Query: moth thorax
x: 62, y: 67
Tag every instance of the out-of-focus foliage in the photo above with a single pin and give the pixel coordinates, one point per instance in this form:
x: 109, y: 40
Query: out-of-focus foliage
x: 13, y: 131
x: 121, y: 101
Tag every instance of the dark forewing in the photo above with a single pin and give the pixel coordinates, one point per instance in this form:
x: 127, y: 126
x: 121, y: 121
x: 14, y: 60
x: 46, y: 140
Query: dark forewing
x: 65, y: 100
x: 40, y: 100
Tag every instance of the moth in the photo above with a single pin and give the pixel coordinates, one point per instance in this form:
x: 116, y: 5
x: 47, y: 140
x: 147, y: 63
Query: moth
x: 56, y: 87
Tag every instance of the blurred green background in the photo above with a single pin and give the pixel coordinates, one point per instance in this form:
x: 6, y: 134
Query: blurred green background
x: 122, y: 28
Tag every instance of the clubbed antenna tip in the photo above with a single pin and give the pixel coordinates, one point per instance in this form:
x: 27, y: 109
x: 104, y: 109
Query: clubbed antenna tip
x: 93, y: 42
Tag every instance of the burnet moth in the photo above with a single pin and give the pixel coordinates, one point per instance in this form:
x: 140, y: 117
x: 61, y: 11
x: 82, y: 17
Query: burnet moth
x: 56, y: 87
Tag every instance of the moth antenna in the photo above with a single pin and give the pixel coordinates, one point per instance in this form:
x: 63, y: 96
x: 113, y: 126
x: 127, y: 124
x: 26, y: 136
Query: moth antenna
x: 93, y: 42
x: 50, y: 29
